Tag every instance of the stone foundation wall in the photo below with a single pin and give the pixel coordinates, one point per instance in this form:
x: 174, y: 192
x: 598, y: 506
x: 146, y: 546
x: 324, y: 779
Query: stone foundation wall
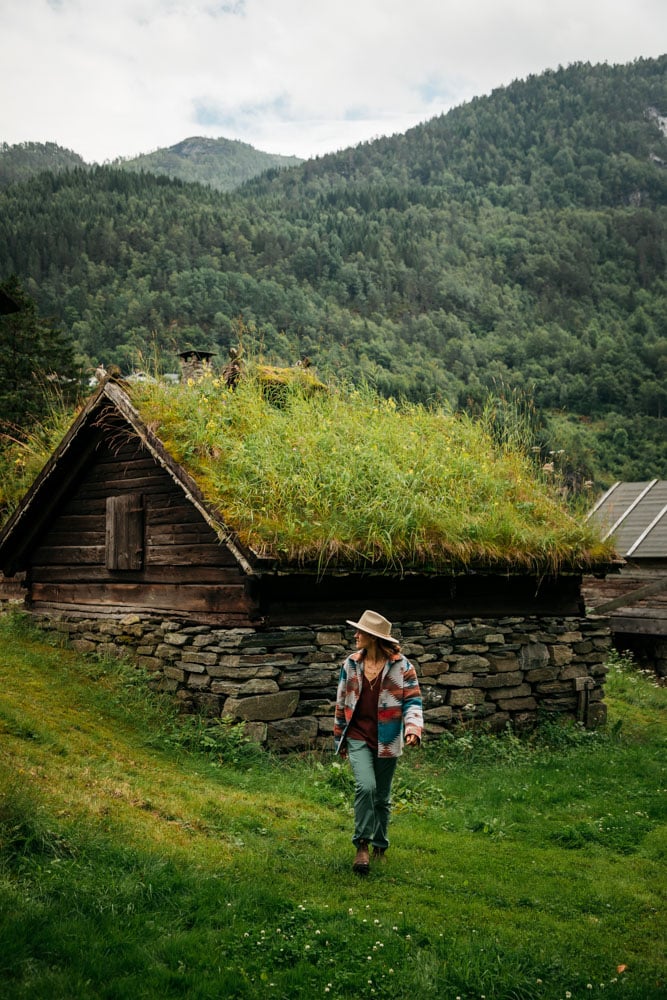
x: 282, y: 682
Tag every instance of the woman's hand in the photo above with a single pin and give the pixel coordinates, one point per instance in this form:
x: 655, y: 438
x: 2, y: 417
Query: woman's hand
x: 411, y: 740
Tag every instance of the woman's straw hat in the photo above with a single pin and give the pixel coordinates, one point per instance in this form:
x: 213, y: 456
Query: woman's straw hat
x: 374, y: 624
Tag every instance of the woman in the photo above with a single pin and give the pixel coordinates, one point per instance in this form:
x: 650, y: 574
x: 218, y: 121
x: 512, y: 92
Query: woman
x: 378, y: 700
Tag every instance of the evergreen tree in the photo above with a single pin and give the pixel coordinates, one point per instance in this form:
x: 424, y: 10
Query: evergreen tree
x: 36, y: 360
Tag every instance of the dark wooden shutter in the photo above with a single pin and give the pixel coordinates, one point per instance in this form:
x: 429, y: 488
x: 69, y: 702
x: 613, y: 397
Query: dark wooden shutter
x: 125, y: 532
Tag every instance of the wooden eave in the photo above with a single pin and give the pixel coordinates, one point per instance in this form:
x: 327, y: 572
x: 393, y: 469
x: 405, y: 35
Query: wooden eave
x: 73, y: 452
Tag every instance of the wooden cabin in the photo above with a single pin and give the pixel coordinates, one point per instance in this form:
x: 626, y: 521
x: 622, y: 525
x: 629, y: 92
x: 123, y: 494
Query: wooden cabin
x: 117, y: 547
x: 113, y: 524
x: 634, y: 514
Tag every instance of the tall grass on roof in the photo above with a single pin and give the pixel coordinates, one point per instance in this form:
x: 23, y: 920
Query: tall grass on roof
x: 24, y: 450
x: 345, y: 479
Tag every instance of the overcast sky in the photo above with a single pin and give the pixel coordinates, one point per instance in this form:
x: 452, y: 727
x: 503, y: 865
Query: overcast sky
x: 111, y: 78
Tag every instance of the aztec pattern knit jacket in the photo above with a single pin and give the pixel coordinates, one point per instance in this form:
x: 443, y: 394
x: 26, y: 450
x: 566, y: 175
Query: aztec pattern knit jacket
x: 399, y: 704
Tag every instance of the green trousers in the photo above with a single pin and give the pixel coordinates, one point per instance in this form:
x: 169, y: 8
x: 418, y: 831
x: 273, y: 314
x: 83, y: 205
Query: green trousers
x: 373, y: 776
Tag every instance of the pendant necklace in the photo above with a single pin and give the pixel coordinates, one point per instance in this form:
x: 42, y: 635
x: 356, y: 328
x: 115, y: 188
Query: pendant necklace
x: 372, y: 682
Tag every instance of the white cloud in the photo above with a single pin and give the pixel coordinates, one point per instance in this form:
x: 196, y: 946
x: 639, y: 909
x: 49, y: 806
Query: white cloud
x: 289, y: 76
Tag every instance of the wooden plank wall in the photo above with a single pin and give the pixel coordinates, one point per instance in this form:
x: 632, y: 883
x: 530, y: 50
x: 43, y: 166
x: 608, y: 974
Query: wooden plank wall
x: 644, y: 613
x: 186, y: 569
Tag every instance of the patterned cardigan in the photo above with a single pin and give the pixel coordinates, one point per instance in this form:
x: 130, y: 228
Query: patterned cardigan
x: 399, y: 704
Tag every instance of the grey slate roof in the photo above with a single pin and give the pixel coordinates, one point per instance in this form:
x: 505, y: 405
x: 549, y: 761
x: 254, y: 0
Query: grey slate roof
x: 635, y: 514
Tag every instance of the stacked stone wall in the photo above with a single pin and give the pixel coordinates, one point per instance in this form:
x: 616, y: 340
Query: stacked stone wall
x: 282, y: 682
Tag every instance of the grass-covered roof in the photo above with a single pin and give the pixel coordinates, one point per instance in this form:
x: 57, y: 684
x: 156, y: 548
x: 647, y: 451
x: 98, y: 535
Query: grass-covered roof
x: 345, y: 479
x: 338, y: 478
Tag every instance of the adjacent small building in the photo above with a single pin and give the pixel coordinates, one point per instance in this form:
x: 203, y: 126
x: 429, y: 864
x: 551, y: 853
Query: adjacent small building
x: 634, y: 597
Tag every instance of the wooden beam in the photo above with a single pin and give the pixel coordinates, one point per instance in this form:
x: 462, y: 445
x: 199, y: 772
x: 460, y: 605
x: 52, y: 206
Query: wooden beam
x: 148, y: 485
x: 638, y: 626
x: 86, y: 573
x: 207, y: 554
x: 222, y: 619
x: 628, y: 599
x: 166, y: 597
x: 68, y: 555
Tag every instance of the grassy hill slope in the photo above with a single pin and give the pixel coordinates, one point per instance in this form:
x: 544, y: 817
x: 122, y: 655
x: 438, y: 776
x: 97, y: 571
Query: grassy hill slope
x: 143, y: 856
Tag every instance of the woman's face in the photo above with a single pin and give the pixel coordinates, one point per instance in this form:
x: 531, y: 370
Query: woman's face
x: 364, y: 640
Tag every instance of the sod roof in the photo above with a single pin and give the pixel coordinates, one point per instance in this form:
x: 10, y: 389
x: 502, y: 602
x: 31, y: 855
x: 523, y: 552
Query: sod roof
x: 341, y: 479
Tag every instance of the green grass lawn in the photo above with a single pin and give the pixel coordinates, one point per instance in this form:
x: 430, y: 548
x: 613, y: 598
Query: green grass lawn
x: 139, y: 858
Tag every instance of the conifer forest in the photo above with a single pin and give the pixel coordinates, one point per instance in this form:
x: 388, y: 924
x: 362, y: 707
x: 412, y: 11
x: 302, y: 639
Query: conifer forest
x: 514, y: 248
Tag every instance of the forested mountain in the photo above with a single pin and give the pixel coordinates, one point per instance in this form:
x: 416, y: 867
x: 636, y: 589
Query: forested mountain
x: 25, y: 159
x: 223, y: 164
x: 516, y: 244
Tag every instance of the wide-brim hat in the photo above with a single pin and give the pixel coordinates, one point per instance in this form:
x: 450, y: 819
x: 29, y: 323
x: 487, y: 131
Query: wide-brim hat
x: 375, y: 625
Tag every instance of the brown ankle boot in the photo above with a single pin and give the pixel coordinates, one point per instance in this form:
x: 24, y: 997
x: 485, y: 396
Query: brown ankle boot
x: 362, y: 861
x: 378, y: 853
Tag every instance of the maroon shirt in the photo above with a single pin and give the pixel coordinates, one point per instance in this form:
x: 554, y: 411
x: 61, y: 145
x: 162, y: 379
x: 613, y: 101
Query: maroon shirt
x: 364, y: 722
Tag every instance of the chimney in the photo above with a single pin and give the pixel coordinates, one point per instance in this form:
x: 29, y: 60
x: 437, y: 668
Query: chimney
x: 193, y: 363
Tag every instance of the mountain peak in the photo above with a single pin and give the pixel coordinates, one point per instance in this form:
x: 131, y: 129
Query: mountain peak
x: 220, y: 163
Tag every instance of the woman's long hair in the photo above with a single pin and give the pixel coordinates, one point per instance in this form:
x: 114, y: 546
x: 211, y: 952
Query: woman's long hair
x: 388, y: 649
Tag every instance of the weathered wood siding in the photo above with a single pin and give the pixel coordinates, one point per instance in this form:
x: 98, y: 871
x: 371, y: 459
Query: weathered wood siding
x: 182, y: 567
x: 639, y: 596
